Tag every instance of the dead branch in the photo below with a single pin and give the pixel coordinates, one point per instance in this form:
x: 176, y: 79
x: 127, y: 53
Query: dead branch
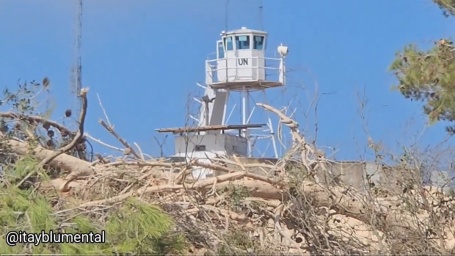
x: 37, y: 119
x: 145, y: 163
x: 71, y: 145
x: 310, y: 156
x: 293, y: 125
x: 102, y: 143
x: 104, y: 110
x: 79, y: 133
x: 124, y: 143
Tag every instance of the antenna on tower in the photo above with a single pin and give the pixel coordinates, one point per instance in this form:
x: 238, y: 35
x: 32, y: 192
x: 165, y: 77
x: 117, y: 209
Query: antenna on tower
x: 261, y: 8
x: 76, y: 81
x: 226, y: 15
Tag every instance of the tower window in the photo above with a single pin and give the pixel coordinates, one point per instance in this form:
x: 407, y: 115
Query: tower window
x: 258, y: 42
x: 228, y: 43
x: 242, y: 42
x: 220, y: 50
x: 199, y: 148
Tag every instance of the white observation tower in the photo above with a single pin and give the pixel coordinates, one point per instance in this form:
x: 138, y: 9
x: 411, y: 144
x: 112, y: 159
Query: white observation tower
x: 240, y: 67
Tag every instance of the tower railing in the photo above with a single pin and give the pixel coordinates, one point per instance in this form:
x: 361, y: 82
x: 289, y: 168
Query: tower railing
x: 273, y: 70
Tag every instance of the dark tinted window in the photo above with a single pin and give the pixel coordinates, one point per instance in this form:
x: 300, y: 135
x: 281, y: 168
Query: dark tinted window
x: 258, y: 42
x: 242, y: 42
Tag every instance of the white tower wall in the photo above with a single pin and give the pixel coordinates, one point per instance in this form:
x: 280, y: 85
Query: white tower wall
x: 243, y: 58
x: 221, y: 144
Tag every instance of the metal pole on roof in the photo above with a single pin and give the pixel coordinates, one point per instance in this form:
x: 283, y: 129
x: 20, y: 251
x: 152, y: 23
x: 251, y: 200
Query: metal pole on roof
x: 261, y: 8
x: 226, y: 17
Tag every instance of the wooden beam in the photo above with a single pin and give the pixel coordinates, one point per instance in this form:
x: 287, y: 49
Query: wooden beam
x: 210, y: 128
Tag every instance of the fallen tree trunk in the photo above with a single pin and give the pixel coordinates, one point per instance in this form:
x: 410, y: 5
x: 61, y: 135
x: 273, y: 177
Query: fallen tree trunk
x: 69, y: 163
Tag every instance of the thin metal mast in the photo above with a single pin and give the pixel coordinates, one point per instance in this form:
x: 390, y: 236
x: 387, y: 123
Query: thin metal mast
x: 226, y: 17
x: 261, y: 8
x: 76, y: 81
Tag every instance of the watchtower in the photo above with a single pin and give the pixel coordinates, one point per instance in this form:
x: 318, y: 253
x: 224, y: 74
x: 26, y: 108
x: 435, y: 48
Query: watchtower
x: 240, y: 62
x: 240, y: 66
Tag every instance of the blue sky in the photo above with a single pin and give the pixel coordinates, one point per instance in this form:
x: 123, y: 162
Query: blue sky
x: 144, y: 58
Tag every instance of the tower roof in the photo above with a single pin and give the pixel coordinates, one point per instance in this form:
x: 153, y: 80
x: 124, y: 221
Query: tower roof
x: 243, y: 30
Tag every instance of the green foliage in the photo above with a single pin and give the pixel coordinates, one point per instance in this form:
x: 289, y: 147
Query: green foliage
x: 136, y: 225
x: 22, y: 100
x: 34, y: 99
x: 428, y: 76
x: 236, y: 195
x: 24, y: 210
x: 20, y: 169
x: 237, y: 242
x: 131, y: 227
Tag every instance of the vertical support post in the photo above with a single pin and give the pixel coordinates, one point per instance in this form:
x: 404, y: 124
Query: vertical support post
x: 272, y: 134
x: 247, y: 132
x: 245, y: 107
x: 206, y: 113
x: 282, y: 77
x: 257, y: 68
x: 223, y: 122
